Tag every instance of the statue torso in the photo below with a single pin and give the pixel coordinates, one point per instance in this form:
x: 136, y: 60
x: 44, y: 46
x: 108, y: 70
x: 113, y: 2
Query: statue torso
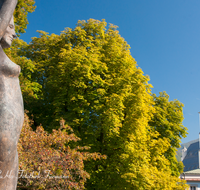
x: 11, y: 102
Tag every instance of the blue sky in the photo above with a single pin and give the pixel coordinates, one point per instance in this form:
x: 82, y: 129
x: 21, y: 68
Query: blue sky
x: 164, y: 37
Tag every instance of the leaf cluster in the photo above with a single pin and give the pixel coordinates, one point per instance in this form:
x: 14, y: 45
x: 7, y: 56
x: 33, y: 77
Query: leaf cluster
x: 20, y: 15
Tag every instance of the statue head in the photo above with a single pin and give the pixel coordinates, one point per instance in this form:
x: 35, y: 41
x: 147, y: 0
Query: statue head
x: 9, y: 35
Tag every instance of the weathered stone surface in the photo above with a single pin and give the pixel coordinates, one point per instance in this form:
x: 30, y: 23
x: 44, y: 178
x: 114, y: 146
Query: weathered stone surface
x: 11, y: 121
x: 11, y: 102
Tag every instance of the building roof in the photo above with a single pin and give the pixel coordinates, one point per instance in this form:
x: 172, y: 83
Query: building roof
x: 192, y: 175
x: 191, y: 160
x: 196, y: 171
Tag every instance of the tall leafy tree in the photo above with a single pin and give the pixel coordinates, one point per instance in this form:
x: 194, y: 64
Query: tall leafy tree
x: 167, y: 121
x: 88, y: 77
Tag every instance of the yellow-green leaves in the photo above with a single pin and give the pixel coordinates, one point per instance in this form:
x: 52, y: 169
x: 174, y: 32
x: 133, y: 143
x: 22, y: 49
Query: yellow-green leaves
x: 167, y: 121
x: 20, y: 15
x: 88, y: 77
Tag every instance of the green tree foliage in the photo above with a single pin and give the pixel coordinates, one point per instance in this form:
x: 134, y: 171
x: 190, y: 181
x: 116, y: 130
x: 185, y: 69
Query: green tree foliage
x: 167, y: 121
x: 46, y: 161
x: 20, y: 15
x: 88, y: 77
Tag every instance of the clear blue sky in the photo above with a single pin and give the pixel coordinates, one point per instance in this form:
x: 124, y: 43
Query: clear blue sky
x: 164, y: 37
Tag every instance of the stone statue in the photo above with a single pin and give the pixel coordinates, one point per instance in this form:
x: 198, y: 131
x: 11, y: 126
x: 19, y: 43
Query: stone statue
x: 11, y: 102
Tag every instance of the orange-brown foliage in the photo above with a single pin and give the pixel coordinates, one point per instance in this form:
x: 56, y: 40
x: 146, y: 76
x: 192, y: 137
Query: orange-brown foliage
x: 46, y: 161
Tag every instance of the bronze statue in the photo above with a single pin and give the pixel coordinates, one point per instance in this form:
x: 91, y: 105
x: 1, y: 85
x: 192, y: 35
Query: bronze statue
x: 11, y: 102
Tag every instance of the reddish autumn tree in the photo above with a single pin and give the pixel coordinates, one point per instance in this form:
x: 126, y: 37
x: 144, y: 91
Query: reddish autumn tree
x: 47, y: 161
